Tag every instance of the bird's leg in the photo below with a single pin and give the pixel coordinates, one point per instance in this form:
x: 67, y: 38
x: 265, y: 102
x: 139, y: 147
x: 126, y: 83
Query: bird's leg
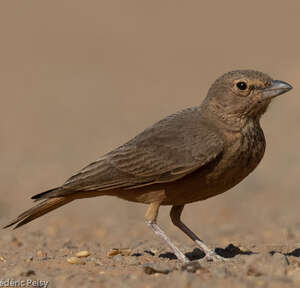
x: 175, y: 214
x: 151, y: 216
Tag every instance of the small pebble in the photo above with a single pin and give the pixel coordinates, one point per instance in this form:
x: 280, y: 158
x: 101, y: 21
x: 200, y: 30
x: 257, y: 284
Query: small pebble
x: 41, y: 254
x: 29, y: 259
x: 115, y: 251
x: 150, y: 252
x: 2, y: 259
x: 27, y: 273
x: 83, y: 254
x: 154, y: 269
x: 16, y: 242
x: 75, y: 260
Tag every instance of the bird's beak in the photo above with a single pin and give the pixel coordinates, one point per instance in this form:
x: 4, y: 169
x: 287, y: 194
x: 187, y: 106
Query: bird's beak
x: 277, y: 88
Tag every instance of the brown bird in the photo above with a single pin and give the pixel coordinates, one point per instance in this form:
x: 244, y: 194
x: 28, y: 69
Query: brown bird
x: 191, y: 155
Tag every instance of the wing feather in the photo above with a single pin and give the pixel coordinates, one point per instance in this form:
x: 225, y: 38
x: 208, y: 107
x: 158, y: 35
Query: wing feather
x: 165, y: 152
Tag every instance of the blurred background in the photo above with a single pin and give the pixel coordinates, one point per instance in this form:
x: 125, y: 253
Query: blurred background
x: 79, y: 78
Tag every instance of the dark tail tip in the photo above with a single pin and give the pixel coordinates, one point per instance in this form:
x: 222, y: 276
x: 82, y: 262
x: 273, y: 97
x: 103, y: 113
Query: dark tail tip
x: 37, y: 211
x: 46, y: 194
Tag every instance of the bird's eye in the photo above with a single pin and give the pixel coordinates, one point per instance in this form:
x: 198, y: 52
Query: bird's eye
x: 242, y: 85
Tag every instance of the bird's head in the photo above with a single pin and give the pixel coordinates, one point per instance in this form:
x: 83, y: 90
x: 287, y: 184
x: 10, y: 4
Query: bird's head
x: 243, y: 94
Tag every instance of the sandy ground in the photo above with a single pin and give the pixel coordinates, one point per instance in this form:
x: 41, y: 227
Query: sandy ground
x: 79, y: 78
x: 259, y: 241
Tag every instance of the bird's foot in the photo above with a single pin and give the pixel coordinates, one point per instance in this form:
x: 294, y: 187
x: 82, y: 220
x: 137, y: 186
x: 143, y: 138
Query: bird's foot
x: 212, y: 256
x: 193, y: 266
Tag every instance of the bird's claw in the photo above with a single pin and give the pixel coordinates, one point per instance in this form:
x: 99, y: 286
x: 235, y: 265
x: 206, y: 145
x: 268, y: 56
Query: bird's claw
x: 214, y: 257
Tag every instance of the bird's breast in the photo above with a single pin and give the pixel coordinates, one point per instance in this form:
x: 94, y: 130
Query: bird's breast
x: 241, y: 156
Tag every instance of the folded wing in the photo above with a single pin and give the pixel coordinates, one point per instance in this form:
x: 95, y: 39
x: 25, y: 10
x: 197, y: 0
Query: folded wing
x: 165, y: 152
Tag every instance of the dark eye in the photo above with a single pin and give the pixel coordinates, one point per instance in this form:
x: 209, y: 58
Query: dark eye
x: 241, y: 85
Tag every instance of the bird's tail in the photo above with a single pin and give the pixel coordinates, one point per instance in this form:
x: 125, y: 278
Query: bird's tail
x: 39, y: 210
